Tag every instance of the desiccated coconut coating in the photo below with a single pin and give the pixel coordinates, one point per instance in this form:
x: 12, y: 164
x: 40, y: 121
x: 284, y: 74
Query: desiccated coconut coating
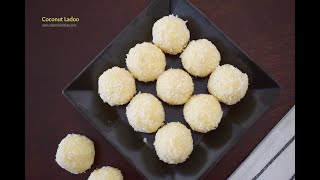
x: 106, y: 173
x: 202, y: 112
x: 145, y: 113
x: 146, y: 61
x: 173, y: 143
x: 174, y: 86
x: 116, y: 86
x: 170, y: 34
x: 228, y: 84
x: 200, y: 57
x: 75, y: 153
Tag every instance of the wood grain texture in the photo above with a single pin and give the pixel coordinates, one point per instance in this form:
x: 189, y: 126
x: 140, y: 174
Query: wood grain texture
x: 264, y: 29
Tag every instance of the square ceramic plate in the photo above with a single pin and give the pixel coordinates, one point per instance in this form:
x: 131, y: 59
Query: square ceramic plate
x: 208, y: 148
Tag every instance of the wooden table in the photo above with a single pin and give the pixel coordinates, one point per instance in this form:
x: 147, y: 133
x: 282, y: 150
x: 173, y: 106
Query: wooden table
x: 264, y: 29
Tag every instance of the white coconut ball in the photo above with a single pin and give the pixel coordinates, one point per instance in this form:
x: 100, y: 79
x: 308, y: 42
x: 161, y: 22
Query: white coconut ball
x: 146, y: 61
x: 173, y: 143
x: 145, y: 113
x: 174, y: 86
x: 228, y: 84
x: 75, y: 153
x: 170, y: 34
x: 200, y: 57
x: 106, y: 173
x: 202, y: 112
x: 116, y: 86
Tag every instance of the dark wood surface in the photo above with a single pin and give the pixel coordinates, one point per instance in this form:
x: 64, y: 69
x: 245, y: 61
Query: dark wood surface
x: 264, y: 29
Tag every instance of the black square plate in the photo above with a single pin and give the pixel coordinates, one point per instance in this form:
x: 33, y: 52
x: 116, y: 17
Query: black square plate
x: 208, y: 148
